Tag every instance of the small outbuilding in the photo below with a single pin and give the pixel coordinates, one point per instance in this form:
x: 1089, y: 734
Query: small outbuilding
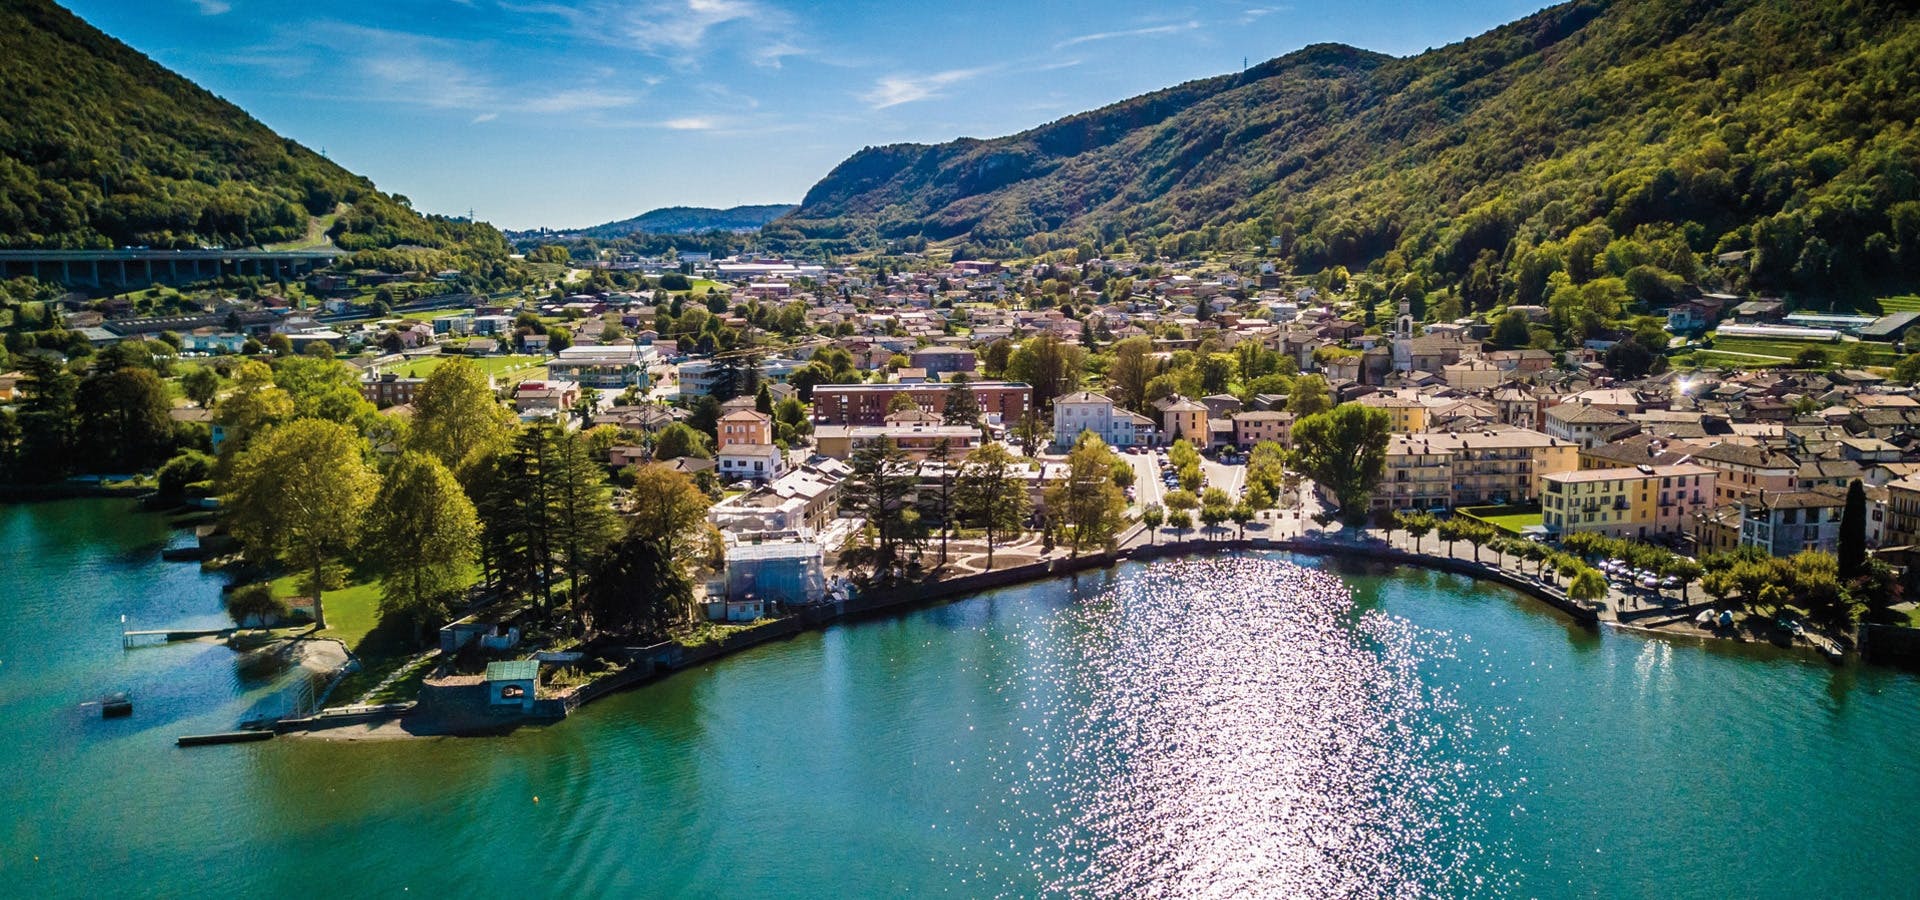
x: 512, y: 684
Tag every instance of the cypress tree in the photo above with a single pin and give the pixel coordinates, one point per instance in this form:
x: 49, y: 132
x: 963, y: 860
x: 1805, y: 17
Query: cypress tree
x: 1853, y: 532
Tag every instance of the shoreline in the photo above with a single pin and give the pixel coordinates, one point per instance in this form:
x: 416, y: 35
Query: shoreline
x: 392, y: 724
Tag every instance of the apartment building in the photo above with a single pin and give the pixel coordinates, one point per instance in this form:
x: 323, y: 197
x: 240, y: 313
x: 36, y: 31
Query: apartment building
x: 1439, y: 470
x: 1644, y: 501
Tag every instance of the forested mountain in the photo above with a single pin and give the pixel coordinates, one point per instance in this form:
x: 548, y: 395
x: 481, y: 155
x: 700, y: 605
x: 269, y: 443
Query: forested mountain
x: 101, y: 147
x: 1596, y: 138
x: 690, y: 220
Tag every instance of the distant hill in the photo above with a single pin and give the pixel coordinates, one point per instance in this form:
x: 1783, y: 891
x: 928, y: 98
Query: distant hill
x: 689, y: 220
x: 102, y: 147
x: 1596, y: 138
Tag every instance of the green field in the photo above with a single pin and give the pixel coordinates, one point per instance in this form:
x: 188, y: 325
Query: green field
x: 1899, y: 304
x: 1879, y: 354
x: 510, y: 369
x: 1511, y: 519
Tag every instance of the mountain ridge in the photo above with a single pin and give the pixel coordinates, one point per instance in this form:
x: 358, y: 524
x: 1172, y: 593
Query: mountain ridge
x: 102, y: 146
x: 1779, y: 128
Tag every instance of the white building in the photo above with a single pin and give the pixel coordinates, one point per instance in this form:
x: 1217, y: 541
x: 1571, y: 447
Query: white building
x: 1087, y: 411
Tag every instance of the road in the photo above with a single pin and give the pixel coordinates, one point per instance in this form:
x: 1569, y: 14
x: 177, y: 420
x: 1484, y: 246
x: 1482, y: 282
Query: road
x: 1147, y: 489
x: 1231, y: 479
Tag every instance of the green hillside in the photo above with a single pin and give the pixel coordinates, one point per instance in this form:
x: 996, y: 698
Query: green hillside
x: 1644, y: 140
x: 691, y: 220
x: 102, y: 147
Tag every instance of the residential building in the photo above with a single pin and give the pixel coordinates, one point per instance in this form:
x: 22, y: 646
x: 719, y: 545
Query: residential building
x: 1645, y: 501
x: 866, y: 404
x: 1408, y: 414
x: 918, y: 439
x: 1441, y: 470
x: 802, y: 502
x: 545, y: 399
x: 1087, y: 411
x: 388, y: 389
x: 747, y: 450
x: 1255, y: 426
x: 1183, y: 419
x: 939, y: 362
x: 1789, y: 522
x: 1586, y: 424
x: 1747, y: 470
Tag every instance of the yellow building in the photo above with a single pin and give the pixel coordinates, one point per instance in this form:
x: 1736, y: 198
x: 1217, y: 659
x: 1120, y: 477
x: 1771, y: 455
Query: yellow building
x: 1444, y: 469
x: 1408, y: 415
x: 1635, y: 502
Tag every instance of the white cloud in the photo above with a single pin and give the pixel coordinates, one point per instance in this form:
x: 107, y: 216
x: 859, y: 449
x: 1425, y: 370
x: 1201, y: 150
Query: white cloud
x: 1130, y: 33
x: 894, y: 90
x: 578, y: 99
x: 680, y: 31
x: 213, y: 7
x: 691, y: 123
x: 485, y: 117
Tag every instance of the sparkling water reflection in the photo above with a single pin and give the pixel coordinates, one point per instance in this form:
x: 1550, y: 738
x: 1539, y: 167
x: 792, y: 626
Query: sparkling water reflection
x: 1230, y: 728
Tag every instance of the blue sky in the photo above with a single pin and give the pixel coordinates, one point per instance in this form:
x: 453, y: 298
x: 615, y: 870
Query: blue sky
x: 574, y: 112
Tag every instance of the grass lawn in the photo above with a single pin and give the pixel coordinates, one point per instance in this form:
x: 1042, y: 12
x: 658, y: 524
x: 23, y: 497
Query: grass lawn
x: 1507, y: 518
x: 511, y: 369
x: 1879, y: 354
x: 353, y: 618
x: 1899, y: 304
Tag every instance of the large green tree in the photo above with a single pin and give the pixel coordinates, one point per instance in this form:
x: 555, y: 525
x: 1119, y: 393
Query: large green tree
x: 297, y: 494
x: 991, y: 494
x: 1087, y: 502
x: 880, y: 490
x: 422, y: 536
x: 456, y: 416
x: 124, y: 422
x: 1345, y: 450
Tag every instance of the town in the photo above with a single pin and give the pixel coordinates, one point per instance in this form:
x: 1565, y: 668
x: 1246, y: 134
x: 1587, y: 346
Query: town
x: 687, y: 449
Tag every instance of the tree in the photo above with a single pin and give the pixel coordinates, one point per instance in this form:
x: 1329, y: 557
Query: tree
x: 324, y: 389
x: 1852, y: 551
x: 1452, y: 531
x: 1511, y: 331
x: 297, y: 494
x: 255, y: 405
x: 1152, y: 516
x: 1417, y: 526
x: 48, y: 418
x: 124, y: 421
x: 201, y: 384
x: 1048, y: 365
x: 680, y: 439
x: 583, y: 521
x: 1684, y: 568
x: 1241, y: 514
x: 962, y: 406
x: 1134, y: 365
x: 665, y: 508
x: 1088, y: 502
x: 901, y: 402
x: 255, y: 603
x: 942, y: 456
x: 1479, y: 534
x: 991, y: 494
x: 1587, y: 584
x: 1344, y: 449
x: 880, y: 490
x: 186, y: 468
x: 421, y: 535
x: 457, y: 418
x: 637, y: 589
x: 1311, y: 396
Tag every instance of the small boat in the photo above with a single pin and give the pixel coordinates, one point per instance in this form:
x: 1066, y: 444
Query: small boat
x: 1726, y: 618
x: 1705, y: 617
x: 116, y: 706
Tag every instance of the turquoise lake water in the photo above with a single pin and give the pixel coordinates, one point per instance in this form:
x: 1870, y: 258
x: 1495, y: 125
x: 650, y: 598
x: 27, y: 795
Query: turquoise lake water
x: 1260, y: 725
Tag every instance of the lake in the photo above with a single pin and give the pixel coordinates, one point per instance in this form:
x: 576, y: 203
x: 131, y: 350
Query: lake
x: 1249, y: 725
